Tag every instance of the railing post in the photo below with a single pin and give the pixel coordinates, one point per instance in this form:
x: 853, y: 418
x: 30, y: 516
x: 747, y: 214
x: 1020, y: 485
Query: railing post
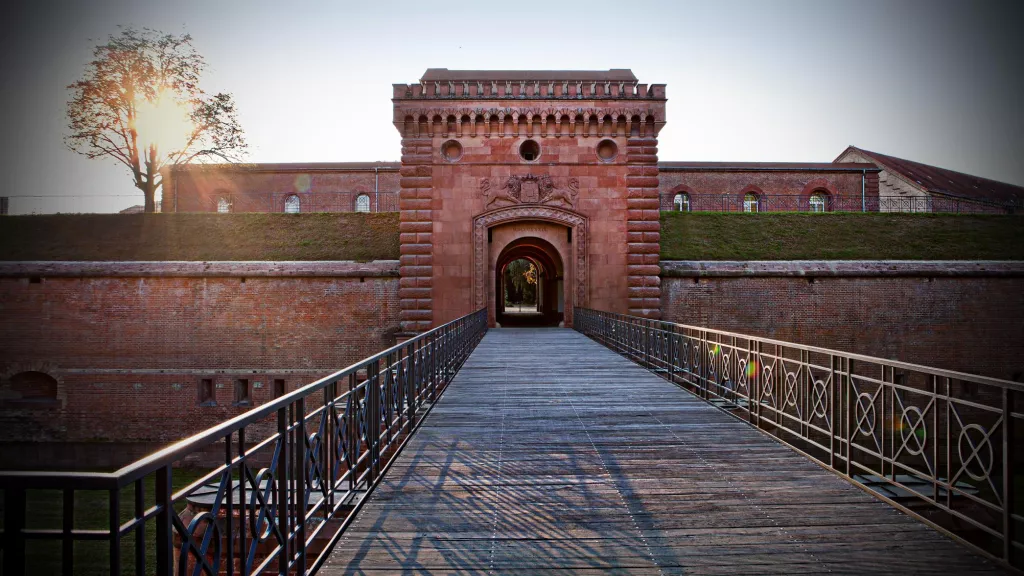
x: 1010, y: 461
x: 281, y: 475
x: 433, y: 368
x: 849, y: 415
x: 354, y: 440
x: 833, y: 411
x: 410, y: 386
x: 114, y: 519
x: 229, y: 550
x: 68, y: 544
x: 372, y: 422
x: 301, y: 463
x: 704, y: 353
x: 164, y: 538
x: 14, y: 523
x: 754, y: 382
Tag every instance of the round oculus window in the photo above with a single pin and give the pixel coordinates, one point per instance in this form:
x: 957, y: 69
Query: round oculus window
x: 529, y: 150
x: 451, y: 150
x: 607, y: 150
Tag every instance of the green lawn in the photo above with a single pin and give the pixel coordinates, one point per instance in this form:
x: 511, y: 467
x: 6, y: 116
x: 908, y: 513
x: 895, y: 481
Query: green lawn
x: 364, y: 237
x: 334, y: 236
x: 840, y: 236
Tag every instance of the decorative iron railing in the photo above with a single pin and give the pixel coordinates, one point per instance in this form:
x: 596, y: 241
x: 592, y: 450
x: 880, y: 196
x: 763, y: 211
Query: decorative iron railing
x: 850, y: 203
x: 943, y: 446
x: 292, y: 476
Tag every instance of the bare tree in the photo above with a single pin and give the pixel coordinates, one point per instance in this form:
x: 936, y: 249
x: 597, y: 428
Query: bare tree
x: 139, y: 102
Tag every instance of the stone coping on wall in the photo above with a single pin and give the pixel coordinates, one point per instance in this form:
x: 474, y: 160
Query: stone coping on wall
x: 212, y: 269
x: 840, y: 268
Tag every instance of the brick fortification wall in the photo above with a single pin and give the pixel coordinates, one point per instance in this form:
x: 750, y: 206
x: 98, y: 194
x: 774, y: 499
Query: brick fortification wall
x: 319, y: 187
x: 966, y: 316
x: 781, y: 187
x: 128, y: 342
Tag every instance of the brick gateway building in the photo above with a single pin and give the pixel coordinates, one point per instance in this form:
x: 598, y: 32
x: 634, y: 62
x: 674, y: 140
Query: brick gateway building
x: 560, y: 168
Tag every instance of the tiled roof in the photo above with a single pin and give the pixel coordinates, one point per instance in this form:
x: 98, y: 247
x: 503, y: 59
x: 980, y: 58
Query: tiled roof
x: 290, y: 166
x: 613, y: 75
x: 767, y: 166
x: 947, y: 182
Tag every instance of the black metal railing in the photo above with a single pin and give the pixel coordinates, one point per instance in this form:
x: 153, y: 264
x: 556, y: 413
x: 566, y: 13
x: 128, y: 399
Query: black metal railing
x: 846, y: 203
x: 944, y: 446
x: 292, y: 475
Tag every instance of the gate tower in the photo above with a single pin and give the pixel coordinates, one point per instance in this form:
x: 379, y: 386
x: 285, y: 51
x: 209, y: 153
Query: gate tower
x: 558, y: 167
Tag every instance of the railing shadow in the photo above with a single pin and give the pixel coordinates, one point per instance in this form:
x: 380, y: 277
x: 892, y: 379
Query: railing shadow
x: 943, y: 446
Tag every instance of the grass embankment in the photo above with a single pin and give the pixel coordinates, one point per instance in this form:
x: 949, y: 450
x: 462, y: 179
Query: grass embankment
x: 840, y: 236
x: 334, y: 236
x: 364, y: 237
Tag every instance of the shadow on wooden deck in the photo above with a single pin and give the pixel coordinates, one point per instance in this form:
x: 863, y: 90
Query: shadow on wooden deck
x: 549, y: 452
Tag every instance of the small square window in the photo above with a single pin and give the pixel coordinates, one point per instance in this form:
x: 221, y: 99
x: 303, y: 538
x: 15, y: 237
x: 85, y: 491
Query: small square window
x: 243, y: 392
x: 206, y: 395
x: 278, y: 387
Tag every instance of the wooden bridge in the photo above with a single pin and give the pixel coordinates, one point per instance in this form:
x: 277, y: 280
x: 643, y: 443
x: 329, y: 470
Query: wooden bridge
x: 626, y: 445
x: 550, y: 452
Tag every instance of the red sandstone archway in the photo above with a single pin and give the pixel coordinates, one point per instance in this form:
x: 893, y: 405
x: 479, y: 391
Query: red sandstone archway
x: 573, y: 224
x: 550, y: 289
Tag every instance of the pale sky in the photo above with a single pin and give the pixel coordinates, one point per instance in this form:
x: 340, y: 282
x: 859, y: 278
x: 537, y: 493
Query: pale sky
x: 935, y: 81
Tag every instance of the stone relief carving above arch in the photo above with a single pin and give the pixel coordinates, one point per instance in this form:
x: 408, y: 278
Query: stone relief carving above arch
x: 524, y: 213
x: 530, y: 189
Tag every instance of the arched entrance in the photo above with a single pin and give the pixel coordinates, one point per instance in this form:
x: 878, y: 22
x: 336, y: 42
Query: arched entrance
x: 532, y: 293
x: 565, y: 235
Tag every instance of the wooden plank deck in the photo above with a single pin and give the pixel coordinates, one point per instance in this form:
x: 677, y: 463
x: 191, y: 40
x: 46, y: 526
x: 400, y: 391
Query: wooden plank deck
x: 549, y: 452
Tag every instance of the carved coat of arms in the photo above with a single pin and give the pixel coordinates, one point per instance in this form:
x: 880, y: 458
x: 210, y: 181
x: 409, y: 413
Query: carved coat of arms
x: 530, y: 189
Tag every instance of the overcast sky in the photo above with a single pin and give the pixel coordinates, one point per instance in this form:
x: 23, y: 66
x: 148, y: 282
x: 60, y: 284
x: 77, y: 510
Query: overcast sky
x: 935, y: 81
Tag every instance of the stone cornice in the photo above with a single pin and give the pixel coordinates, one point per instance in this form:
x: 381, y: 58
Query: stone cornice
x: 218, y: 269
x: 841, y: 268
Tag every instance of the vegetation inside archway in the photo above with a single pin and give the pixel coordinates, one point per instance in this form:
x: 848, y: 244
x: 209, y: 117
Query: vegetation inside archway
x: 520, y: 283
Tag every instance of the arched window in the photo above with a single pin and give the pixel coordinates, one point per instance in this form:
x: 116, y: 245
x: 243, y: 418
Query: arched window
x: 223, y: 205
x: 750, y: 203
x: 681, y: 202
x: 34, y: 387
x: 292, y: 204
x: 818, y: 202
x: 362, y: 203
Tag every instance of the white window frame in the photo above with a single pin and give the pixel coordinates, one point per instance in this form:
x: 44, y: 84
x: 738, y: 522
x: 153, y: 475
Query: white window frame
x: 362, y: 203
x: 751, y: 202
x: 681, y: 202
x: 292, y: 204
x: 818, y: 202
x: 223, y: 206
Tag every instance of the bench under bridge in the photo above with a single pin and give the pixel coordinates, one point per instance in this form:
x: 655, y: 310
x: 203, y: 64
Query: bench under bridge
x: 626, y: 445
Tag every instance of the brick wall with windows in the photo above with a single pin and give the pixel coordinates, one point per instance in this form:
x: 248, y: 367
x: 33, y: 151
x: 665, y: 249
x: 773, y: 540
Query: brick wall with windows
x: 298, y: 187
x: 152, y: 352
x: 774, y: 187
x: 965, y: 316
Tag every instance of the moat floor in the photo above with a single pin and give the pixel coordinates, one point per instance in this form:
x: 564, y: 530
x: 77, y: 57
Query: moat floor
x: 549, y: 452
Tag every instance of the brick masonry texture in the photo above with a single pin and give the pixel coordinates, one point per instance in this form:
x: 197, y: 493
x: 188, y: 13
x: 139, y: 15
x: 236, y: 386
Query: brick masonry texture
x: 843, y: 187
x: 965, y: 316
x: 265, y: 187
x: 461, y: 144
x: 128, y: 346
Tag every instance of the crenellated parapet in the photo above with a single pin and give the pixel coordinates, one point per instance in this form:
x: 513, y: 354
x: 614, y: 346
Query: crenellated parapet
x: 521, y: 120
x: 441, y: 83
